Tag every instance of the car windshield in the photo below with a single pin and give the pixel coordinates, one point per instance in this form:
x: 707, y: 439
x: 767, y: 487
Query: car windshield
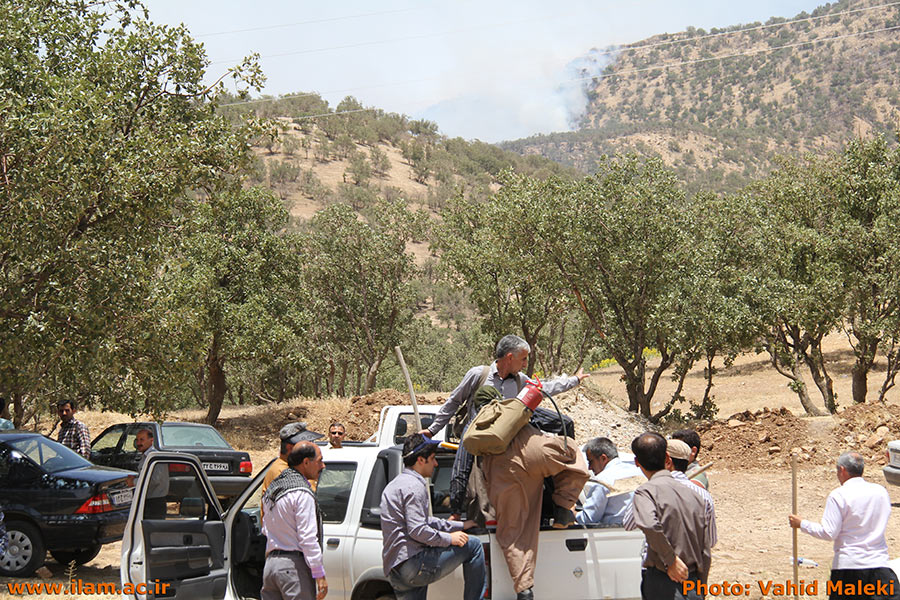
x: 174, y: 434
x: 49, y: 455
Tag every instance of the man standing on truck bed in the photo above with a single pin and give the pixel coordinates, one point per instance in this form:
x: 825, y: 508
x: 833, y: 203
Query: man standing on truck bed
x: 673, y: 518
x: 420, y: 549
x: 292, y: 524
x: 506, y: 376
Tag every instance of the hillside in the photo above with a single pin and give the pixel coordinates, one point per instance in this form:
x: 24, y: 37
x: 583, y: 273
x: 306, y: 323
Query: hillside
x: 317, y: 155
x: 719, y: 106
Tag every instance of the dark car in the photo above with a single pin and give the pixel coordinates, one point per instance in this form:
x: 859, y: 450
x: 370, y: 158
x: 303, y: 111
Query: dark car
x: 229, y: 469
x: 55, y: 500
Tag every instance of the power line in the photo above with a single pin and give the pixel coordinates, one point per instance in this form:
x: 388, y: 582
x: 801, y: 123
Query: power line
x: 737, y: 54
x: 744, y: 30
x: 607, y: 75
x: 393, y: 40
x: 558, y: 15
x: 311, y: 22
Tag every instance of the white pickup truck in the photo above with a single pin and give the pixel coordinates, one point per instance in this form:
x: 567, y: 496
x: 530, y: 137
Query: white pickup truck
x: 200, y: 552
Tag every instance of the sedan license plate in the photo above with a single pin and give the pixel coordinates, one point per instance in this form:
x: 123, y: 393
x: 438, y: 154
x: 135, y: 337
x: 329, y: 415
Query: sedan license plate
x: 120, y: 497
x: 217, y: 466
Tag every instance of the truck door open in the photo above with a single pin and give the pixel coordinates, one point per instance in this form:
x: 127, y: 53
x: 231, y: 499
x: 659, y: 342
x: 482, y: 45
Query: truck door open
x: 174, y: 541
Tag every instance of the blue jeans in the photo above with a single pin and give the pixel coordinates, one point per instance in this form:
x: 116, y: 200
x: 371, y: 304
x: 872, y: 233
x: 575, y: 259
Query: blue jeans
x: 410, y: 578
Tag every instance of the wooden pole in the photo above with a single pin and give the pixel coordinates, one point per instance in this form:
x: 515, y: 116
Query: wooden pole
x: 409, y: 386
x: 794, y: 512
x: 694, y: 472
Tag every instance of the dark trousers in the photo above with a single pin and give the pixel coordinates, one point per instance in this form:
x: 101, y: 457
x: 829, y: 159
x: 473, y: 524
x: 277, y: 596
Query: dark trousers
x: 459, y: 479
x: 656, y: 585
x: 853, y: 582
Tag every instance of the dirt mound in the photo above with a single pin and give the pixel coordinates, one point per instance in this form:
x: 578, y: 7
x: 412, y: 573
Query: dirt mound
x: 258, y: 429
x: 364, y: 411
x: 867, y: 428
x: 761, y: 439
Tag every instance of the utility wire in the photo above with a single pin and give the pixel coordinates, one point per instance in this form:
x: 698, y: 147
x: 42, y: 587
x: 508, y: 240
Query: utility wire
x: 310, y: 22
x: 737, y: 54
x: 393, y: 40
x: 737, y: 31
x: 496, y: 25
x: 605, y: 75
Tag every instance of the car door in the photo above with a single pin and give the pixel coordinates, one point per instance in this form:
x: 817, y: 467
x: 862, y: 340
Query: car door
x: 175, y: 535
x: 334, y: 490
x: 106, y: 449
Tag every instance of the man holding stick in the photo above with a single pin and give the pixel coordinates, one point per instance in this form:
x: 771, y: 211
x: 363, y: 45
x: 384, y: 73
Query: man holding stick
x: 855, y: 518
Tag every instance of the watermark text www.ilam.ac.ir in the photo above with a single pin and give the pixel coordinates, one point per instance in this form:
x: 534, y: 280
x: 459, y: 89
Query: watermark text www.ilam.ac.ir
x: 78, y: 587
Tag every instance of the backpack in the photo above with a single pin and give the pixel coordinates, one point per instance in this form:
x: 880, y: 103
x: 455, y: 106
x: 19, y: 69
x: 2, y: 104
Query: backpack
x: 461, y: 417
x: 548, y: 420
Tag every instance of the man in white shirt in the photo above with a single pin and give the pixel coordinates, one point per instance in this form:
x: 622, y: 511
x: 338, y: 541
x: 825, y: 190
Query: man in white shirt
x: 856, y: 515
x: 292, y: 523
x: 609, y: 492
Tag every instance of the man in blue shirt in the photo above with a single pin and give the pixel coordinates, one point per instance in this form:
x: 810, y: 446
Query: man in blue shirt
x: 4, y: 423
x: 418, y: 548
x: 611, y: 489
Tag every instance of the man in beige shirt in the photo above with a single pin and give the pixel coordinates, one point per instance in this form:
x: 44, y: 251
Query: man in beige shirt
x: 673, y: 519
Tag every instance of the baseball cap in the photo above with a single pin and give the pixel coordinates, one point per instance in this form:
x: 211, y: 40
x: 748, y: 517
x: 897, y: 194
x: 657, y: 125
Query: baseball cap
x: 678, y: 450
x: 293, y: 433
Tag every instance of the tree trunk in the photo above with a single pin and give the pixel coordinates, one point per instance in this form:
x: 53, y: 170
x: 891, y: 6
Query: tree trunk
x: 865, y: 350
x: 329, y: 380
x: 634, y: 385
x: 800, y: 387
x: 859, y: 376
x: 815, y: 361
x: 215, y: 381
x: 18, y: 412
x: 342, y: 387
x: 372, y: 374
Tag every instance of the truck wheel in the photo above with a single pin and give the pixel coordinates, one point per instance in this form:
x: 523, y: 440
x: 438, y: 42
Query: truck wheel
x: 25, y: 552
x: 82, y: 556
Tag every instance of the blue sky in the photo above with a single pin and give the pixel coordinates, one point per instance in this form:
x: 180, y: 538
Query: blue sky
x: 486, y: 69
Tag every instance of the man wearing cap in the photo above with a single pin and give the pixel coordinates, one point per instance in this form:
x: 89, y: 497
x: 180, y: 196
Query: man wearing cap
x: 506, y: 376
x: 855, y: 518
x: 419, y: 549
x: 678, y: 457
x: 290, y: 434
x: 292, y: 524
x: 608, y: 494
x: 692, y: 439
x: 673, y: 519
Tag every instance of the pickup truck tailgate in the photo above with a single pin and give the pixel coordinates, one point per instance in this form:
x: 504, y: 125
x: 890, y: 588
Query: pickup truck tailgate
x: 586, y: 563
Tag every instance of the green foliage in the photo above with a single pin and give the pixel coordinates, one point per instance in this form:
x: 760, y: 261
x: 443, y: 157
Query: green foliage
x: 107, y: 130
x: 241, y: 276
x: 362, y: 274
